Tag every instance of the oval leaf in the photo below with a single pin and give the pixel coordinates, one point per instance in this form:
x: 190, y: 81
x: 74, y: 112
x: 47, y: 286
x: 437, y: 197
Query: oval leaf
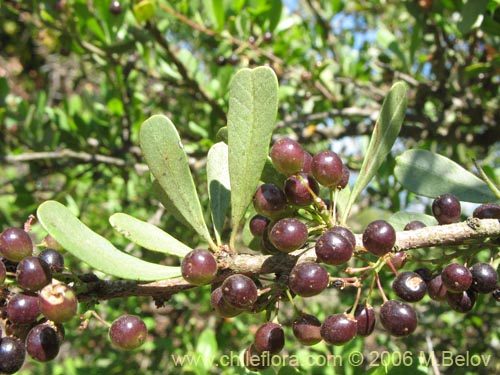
x: 429, y: 174
x: 401, y: 218
x: 219, y: 188
x: 147, y: 235
x: 383, y: 137
x: 167, y: 160
x: 95, y: 250
x: 253, y: 104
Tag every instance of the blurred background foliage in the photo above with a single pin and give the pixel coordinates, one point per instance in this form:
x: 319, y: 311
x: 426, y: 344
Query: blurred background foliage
x: 78, y: 77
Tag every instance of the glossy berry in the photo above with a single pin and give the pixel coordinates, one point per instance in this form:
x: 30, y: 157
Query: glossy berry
x: 128, y: 332
x: 425, y: 273
x: 287, y: 156
x: 307, y: 329
x: 436, y: 289
x: 333, y: 248
x: 461, y: 302
x: 484, y: 278
x: 288, y: 234
x: 446, y: 209
x: 344, y: 180
x: 365, y: 320
x: 221, y: 307
x: 255, y: 360
x: 33, y: 273
x: 239, y: 291
x: 233, y: 59
x: 266, y: 246
x: 58, y: 302
x: 409, y: 286
x: 298, y: 188
x: 12, y: 355
x: 307, y: 168
x: 379, y: 237
x: 327, y: 168
x: 220, y: 60
x: 199, y: 267
x: 258, y: 225
x: 343, y: 231
x: 53, y: 258
x: 115, y: 7
x: 269, y: 337
x: 42, y: 342
x: 456, y: 278
x: 270, y: 201
x: 15, y: 244
x: 487, y: 211
x: 399, y: 259
x: 268, y: 37
x: 23, y: 308
x: 398, y: 318
x: 338, y: 329
x: 413, y: 225
x: 308, y: 279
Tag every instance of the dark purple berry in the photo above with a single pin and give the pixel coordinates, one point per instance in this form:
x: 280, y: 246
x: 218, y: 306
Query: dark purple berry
x: 307, y: 329
x: 239, y: 291
x: 255, y: 360
x: 269, y: 200
x: 269, y: 337
x: 266, y: 246
x: 398, y: 259
x: 15, y: 244
x: 220, y: 60
x: 268, y: 37
x: 308, y: 279
x: 484, y: 278
x: 456, y: 278
x: 58, y: 302
x: 288, y: 234
x: 287, y: 156
x: 53, y: 258
x: 128, y: 332
x: 343, y: 231
x: 307, y: 168
x: 446, y: 209
x: 42, y: 342
x: 487, y: 211
x: 298, y: 188
x: 344, y: 180
x: 23, y: 308
x: 338, y: 329
x: 221, y: 307
x: 379, y: 237
x: 365, y: 318
x: 12, y: 355
x: 115, y: 7
x: 33, y: 273
x: 415, y: 224
x: 199, y: 267
x: 461, y: 302
x: 333, y: 248
x: 233, y: 59
x: 436, y: 289
x: 409, y: 286
x: 398, y: 318
x: 327, y: 168
x: 258, y: 225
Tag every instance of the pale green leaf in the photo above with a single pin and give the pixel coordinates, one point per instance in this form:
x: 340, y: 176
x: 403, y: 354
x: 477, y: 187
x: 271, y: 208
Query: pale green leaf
x: 95, y: 250
x: 429, y: 174
x: 147, y: 235
x: 253, y: 104
x: 206, y: 349
x: 401, y: 218
x: 167, y: 160
x: 383, y: 137
x: 219, y: 189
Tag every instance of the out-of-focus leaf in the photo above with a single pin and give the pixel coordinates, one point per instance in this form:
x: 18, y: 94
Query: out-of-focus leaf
x: 401, y: 218
x: 471, y: 12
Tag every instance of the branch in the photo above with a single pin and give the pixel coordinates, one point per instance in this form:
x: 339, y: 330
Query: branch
x: 441, y: 235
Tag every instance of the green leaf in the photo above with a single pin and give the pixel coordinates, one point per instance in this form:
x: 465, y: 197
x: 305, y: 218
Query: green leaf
x: 144, y: 10
x: 219, y: 188
x: 401, y: 218
x: 95, y: 250
x: 253, y: 103
x: 167, y: 160
x: 289, y: 370
x: 383, y: 137
x: 147, y: 235
x: 206, y: 349
x: 471, y: 11
x: 219, y: 14
x: 275, y: 14
x: 429, y: 174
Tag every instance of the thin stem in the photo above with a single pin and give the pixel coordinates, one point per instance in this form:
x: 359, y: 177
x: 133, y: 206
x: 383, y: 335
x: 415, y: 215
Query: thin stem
x: 380, y: 288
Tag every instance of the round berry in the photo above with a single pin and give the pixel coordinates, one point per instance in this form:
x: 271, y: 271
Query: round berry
x: 338, y: 329
x: 199, y: 267
x: 333, y: 249
x: 398, y: 318
x: 269, y: 200
x: 53, y: 258
x: 269, y: 337
x: 33, y: 273
x: 255, y: 360
x: 15, y: 244
x: 409, y: 286
x: 327, y: 168
x: 307, y: 168
x: 298, y: 188
x: 379, y: 237
x: 456, y: 278
x: 446, y: 209
x: 413, y: 225
x: 436, y: 289
x: 268, y: 36
x: 128, y: 332
x: 461, y: 302
x: 288, y: 234
x: 42, y: 342
x: 307, y: 329
x: 484, y: 278
x: 12, y: 355
x: 343, y: 231
x: 239, y: 291
x: 344, y: 180
x: 398, y: 259
x: 365, y: 319
x: 58, y: 302
x: 221, y: 307
x: 425, y: 273
x: 258, y: 225
x: 115, y: 7
x: 487, y: 211
x: 287, y: 156
x: 308, y: 279
x: 23, y: 308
